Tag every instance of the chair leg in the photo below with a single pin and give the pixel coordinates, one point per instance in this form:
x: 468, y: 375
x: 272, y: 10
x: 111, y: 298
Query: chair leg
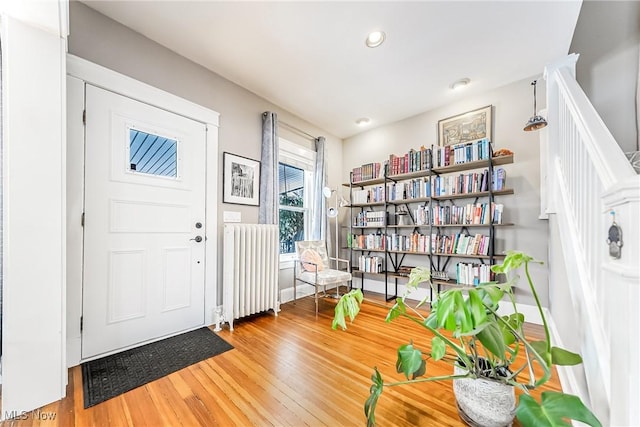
x: 316, y: 297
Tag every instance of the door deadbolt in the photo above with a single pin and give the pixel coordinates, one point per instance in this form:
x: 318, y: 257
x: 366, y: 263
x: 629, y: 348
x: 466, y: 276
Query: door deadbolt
x: 197, y: 239
x: 198, y: 225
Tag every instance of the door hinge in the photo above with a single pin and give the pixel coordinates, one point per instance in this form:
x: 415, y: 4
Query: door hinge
x: 82, y: 220
x: 81, y: 323
x: 84, y: 117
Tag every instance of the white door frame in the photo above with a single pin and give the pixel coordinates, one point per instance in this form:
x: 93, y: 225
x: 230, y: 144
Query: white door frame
x: 80, y: 71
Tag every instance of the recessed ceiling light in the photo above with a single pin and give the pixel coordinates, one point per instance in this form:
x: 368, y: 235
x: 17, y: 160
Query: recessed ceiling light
x: 375, y: 38
x: 363, y: 121
x: 459, y: 84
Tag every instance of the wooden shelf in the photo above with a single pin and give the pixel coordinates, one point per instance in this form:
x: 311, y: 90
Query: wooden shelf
x: 467, y: 256
x: 407, y: 201
x: 388, y: 274
x: 365, y: 183
x: 504, y: 192
x: 364, y: 205
x: 474, y: 225
x: 408, y: 252
x: 368, y: 250
x: 375, y: 227
x: 478, y: 164
x: 452, y: 283
x: 409, y: 226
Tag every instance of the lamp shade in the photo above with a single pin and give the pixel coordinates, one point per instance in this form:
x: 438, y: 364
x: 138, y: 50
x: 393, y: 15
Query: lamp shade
x: 536, y: 121
x: 326, y: 192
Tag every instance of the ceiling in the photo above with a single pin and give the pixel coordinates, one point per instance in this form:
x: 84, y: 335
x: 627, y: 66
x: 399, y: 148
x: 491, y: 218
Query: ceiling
x: 310, y: 58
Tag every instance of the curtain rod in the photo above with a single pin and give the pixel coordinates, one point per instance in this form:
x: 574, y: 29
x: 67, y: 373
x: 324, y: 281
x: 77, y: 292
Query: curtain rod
x: 295, y: 129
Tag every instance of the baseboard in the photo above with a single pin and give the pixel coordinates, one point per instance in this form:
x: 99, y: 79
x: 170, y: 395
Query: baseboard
x: 302, y: 291
x: 531, y: 313
x: 567, y: 377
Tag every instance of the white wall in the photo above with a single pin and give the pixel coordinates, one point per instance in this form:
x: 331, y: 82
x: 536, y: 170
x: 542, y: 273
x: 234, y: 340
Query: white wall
x: 512, y: 108
x: 33, y: 94
x: 607, y: 37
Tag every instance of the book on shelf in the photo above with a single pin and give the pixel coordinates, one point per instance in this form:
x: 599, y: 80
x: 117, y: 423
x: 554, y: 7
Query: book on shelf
x: 370, y: 219
x: 463, y: 153
x: 368, y: 195
x: 414, y: 242
x: 368, y: 241
x: 411, y: 161
x: 469, y: 214
x: 366, y: 172
x: 404, y: 270
x: 471, y: 274
x: 370, y: 264
x: 410, y: 189
x: 470, y: 183
x: 460, y: 244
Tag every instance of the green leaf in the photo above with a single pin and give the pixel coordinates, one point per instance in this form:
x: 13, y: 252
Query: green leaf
x: 410, y: 361
x: 514, y: 320
x: 417, y: 276
x: 463, y: 314
x: 445, y: 311
x: 513, y: 261
x: 553, y: 410
x: 491, y: 339
x: 478, y: 311
x: 438, y: 348
x: 431, y: 321
x: 348, y: 305
x: 372, y: 401
x: 490, y: 293
x: 562, y: 357
x: 396, y: 311
x: 541, y: 348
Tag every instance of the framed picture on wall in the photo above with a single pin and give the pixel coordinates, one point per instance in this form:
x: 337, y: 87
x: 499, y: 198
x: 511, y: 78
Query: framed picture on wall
x: 240, y: 180
x: 465, y: 127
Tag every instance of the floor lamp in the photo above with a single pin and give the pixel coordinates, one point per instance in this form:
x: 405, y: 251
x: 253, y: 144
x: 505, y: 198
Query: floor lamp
x: 332, y: 212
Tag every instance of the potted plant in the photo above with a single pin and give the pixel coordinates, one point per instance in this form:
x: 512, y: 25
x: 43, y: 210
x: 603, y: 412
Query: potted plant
x: 483, y: 348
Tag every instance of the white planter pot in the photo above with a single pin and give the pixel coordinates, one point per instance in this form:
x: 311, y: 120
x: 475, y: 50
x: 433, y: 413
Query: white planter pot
x: 484, y: 403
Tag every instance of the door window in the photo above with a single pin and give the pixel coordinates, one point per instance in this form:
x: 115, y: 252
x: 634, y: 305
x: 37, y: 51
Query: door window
x: 152, y: 154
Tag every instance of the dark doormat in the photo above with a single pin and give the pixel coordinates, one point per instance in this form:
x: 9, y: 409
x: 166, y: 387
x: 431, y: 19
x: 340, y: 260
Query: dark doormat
x: 113, y: 375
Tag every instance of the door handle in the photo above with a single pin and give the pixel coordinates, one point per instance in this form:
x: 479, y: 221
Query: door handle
x: 197, y: 239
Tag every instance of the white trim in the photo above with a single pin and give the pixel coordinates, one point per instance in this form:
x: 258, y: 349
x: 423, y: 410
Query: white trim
x: 624, y: 192
x: 119, y: 83
x: 530, y: 312
x: 566, y: 374
x: 287, y: 261
x: 302, y: 290
x: 622, y: 270
x: 34, y: 84
x: 580, y: 294
x: 99, y: 76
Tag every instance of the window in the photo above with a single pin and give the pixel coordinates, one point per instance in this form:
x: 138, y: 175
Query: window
x: 295, y: 172
x: 152, y: 154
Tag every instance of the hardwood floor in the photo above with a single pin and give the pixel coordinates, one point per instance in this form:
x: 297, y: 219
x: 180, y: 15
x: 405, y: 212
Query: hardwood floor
x: 289, y: 370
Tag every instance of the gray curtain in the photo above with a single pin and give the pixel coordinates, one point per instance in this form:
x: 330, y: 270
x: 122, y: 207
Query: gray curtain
x: 318, y: 209
x: 268, y: 212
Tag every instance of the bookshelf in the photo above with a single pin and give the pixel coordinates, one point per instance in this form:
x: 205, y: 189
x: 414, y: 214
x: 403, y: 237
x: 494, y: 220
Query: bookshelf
x: 450, y: 212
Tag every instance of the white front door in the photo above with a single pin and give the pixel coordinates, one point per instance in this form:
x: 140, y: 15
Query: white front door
x: 144, y: 232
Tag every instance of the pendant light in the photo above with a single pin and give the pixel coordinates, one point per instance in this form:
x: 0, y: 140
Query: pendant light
x: 536, y: 121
